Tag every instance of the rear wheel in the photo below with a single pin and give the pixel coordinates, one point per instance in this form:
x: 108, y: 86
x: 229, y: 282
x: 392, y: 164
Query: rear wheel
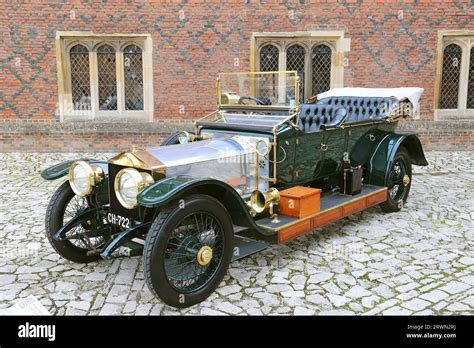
x: 188, y: 250
x: 398, y: 182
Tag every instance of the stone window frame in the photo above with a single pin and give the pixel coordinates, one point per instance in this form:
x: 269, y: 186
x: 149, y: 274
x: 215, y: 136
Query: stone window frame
x: 66, y: 40
x: 308, y: 39
x: 465, y: 40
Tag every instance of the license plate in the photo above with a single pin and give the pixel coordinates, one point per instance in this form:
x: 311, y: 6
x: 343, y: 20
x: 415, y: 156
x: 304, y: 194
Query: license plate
x: 118, y: 220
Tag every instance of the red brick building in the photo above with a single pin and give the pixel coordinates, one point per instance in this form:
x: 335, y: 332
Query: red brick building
x: 103, y: 75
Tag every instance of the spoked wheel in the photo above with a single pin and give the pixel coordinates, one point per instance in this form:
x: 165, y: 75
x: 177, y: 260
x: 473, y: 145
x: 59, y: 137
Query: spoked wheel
x: 398, y: 182
x: 78, y: 245
x: 188, y: 250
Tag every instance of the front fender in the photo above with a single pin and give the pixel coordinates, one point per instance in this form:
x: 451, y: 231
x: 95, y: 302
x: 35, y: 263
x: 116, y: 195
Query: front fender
x: 166, y: 190
x: 61, y: 169
x: 384, y: 153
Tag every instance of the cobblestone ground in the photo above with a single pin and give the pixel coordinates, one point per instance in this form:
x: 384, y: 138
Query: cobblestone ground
x: 418, y: 261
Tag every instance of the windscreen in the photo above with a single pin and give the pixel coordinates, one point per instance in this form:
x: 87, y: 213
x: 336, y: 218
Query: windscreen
x: 259, y: 89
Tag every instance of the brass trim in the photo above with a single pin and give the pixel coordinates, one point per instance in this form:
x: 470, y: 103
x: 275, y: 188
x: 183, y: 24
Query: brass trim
x: 259, y: 201
x: 204, y: 255
x: 406, y: 180
x: 140, y: 179
x: 267, y: 145
x: 277, y: 229
x: 140, y: 159
x: 258, y: 72
x: 95, y: 174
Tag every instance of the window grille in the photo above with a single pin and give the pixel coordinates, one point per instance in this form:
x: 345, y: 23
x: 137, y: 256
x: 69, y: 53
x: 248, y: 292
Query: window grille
x: 106, y: 67
x: 133, y: 77
x: 269, y: 57
x: 295, y: 60
x: 321, y: 69
x: 80, y: 78
x: 470, y: 82
x: 450, y: 77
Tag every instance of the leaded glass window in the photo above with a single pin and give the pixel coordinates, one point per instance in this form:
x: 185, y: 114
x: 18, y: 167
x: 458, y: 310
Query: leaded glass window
x: 106, y: 67
x: 104, y: 77
x: 310, y: 57
x: 295, y: 60
x: 450, y: 77
x: 320, y: 69
x: 470, y: 83
x: 269, y: 57
x: 80, y: 78
x: 133, y: 75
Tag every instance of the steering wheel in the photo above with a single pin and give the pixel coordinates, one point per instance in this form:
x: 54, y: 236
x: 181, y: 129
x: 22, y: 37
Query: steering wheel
x: 249, y: 98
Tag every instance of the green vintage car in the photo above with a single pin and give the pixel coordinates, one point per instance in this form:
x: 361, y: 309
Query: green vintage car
x: 263, y: 168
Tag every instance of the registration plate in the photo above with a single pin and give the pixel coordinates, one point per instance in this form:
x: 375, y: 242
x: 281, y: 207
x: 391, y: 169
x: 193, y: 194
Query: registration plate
x: 118, y: 220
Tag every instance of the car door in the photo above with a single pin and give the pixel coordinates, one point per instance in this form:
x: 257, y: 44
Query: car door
x: 319, y: 154
x: 286, y: 155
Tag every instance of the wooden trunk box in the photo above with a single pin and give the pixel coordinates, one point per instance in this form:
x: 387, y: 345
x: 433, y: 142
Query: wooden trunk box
x: 299, y: 201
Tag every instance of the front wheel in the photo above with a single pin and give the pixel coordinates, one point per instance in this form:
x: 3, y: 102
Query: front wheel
x: 78, y: 246
x: 398, y: 181
x: 188, y: 250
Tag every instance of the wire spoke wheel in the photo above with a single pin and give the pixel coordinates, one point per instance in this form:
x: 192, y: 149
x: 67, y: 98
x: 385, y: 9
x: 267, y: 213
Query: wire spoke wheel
x: 398, y: 181
x: 83, y: 242
x: 194, y: 251
x: 78, y: 236
x: 398, y: 175
x: 188, y: 250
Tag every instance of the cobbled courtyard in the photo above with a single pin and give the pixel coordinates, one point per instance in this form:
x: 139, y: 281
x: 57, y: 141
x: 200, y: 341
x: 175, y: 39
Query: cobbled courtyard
x: 418, y: 261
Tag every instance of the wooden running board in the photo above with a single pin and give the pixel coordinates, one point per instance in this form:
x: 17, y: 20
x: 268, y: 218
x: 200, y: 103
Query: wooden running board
x: 334, y: 206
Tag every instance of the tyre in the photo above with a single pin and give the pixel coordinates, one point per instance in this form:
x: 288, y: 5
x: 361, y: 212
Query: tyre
x: 63, y: 206
x: 398, y: 182
x: 188, y: 250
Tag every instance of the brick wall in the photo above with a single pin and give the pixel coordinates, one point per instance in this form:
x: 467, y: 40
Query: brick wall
x: 393, y: 43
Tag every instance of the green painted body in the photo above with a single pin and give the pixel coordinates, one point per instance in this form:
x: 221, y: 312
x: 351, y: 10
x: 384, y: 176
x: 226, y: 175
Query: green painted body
x: 174, y: 188
x: 317, y: 155
x: 308, y: 157
x: 302, y: 159
x: 381, y: 159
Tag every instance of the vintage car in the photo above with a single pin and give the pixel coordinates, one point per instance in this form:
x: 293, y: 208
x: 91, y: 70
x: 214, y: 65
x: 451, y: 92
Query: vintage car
x: 261, y: 169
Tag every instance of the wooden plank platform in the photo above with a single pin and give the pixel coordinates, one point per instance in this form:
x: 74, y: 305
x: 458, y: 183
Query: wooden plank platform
x: 334, y: 206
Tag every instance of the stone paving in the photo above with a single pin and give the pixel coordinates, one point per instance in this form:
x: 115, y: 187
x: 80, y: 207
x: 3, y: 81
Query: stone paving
x: 418, y: 261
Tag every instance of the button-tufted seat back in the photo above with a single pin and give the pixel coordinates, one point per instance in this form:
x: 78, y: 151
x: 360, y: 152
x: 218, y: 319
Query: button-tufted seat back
x: 362, y: 108
x: 314, y: 117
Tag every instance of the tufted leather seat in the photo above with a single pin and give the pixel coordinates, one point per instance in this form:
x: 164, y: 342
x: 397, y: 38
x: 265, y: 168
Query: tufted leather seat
x: 362, y: 108
x: 315, y: 117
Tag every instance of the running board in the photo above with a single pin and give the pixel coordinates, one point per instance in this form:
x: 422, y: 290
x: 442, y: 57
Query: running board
x: 334, y: 206
x: 244, y: 247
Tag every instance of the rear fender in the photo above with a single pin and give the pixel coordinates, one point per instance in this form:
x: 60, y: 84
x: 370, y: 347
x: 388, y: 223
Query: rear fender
x: 384, y: 153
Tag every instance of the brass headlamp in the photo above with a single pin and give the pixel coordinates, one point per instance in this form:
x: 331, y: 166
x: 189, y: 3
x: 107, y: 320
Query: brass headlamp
x: 83, y: 177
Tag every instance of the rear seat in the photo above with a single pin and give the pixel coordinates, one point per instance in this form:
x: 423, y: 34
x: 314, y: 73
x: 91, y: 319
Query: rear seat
x: 363, y: 108
x: 315, y: 117
x: 331, y: 111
